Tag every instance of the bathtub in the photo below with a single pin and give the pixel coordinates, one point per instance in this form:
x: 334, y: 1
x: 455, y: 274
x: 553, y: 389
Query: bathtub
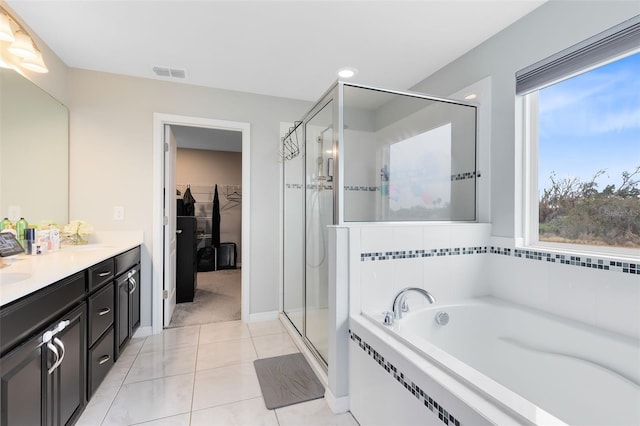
x: 535, y: 367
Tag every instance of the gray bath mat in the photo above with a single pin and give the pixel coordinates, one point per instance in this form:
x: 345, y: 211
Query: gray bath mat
x: 287, y: 380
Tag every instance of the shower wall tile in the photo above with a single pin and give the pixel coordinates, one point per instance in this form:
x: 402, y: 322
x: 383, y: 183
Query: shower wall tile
x: 607, y: 299
x: 617, y: 305
x: 436, y: 236
x: 469, y: 234
x: 355, y: 281
x: 408, y: 273
x: 376, y: 286
x: 376, y: 239
x: 407, y: 238
x: 572, y: 292
x: 514, y: 280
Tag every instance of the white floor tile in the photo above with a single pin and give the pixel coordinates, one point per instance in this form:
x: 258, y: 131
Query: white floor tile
x: 151, y: 400
x: 265, y: 327
x: 172, y: 338
x: 133, y: 347
x: 251, y: 412
x: 98, y: 407
x: 170, y: 362
x: 274, y: 345
x: 179, y: 420
x: 224, y: 385
x: 153, y: 382
x: 223, y: 331
x: 315, y: 413
x: 228, y: 352
x: 118, y: 372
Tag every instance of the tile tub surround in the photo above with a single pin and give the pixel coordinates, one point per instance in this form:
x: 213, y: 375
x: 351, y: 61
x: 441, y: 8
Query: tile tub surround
x: 200, y: 375
x: 392, y: 385
x: 43, y: 270
x: 456, y: 261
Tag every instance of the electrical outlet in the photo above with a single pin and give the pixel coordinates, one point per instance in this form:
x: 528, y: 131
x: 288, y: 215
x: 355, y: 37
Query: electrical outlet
x: 118, y: 213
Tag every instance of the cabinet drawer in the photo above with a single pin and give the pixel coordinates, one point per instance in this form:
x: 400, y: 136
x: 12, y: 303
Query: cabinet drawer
x: 101, y: 313
x: 20, y: 319
x: 126, y: 260
x: 101, y: 273
x: 100, y: 361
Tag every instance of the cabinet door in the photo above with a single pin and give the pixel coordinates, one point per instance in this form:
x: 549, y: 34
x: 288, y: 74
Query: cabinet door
x: 68, y: 381
x: 21, y: 385
x: 122, y: 327
x: 134, y: 300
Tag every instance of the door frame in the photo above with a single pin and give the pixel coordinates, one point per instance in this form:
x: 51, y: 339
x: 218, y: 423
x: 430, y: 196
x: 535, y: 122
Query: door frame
x: 157, y: 260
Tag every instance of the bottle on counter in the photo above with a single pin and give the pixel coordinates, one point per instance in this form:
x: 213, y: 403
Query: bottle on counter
x: 21, y: 227
x: 6, y: 224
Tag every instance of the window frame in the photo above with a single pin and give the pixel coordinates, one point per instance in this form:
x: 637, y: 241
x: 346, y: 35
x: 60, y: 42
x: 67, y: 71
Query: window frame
x: 530, y: 209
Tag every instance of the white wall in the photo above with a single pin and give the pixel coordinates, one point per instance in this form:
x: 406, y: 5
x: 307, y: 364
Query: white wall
x: 552, y: 27
x: 111, y: 161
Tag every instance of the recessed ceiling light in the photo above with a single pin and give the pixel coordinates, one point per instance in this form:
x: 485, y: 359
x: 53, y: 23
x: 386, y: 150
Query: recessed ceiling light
x: 471, y: 96
x: 347, y: 72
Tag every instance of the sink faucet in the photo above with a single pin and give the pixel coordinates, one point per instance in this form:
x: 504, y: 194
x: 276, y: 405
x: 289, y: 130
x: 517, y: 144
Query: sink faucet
x: 400, y: 304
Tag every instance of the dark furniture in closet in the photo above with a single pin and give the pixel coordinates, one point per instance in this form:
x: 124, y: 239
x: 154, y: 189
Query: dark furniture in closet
x: 186, y: 259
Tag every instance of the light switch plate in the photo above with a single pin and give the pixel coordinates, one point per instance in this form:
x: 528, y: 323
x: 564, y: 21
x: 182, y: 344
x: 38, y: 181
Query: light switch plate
x: 118, y: 213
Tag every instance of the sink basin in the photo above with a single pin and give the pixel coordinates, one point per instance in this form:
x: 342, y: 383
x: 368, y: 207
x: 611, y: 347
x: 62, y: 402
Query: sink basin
x: 86, y: 247
x: 13, y: 277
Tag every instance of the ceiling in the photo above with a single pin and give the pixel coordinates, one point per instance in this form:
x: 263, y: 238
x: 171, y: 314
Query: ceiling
x: 289, y: 49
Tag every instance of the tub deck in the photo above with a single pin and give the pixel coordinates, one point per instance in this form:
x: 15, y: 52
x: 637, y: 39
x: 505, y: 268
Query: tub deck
x: 577, y: 373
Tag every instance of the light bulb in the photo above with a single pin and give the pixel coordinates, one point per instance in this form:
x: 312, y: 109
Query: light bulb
x: 23, y: 46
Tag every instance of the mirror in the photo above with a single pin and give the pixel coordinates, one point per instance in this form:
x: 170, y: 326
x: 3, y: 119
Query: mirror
x: 34, y: 152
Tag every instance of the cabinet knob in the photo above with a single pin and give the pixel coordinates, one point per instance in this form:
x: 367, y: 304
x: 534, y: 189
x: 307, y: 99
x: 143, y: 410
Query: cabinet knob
x: 103, y: 359
x: 104, y: 311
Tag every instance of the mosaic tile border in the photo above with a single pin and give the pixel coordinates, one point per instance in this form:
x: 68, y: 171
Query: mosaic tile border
x: 412, y: 254
x: 445, y: 417
x: 581, y: 261
x: 466, y: 175
x: 563, y: 259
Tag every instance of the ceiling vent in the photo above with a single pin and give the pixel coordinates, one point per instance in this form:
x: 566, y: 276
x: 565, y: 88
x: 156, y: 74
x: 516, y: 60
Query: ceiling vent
x: 167, y: 72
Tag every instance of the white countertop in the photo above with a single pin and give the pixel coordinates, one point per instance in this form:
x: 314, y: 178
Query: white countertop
x: 23, y: 274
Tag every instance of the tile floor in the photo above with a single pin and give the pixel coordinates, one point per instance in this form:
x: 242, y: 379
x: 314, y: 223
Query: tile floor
x: 200, y: 375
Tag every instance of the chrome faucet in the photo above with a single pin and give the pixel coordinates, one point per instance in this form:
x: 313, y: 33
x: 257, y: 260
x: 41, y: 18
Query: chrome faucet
x: 400, y: 302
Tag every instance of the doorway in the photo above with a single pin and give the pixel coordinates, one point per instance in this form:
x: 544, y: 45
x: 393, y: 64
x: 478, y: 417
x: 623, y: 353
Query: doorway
x: 163, y: 268
x: 209, y: 260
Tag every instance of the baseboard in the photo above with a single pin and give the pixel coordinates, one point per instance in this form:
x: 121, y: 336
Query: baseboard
x: 264, y: 316
x: 337, y: 405
x: 143, y: 332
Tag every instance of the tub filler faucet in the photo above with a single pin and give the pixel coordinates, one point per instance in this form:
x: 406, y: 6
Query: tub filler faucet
x: 400, y: 303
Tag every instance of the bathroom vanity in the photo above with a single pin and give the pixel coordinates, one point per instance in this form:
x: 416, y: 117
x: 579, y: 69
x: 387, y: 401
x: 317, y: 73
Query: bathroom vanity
x: 64, y: 319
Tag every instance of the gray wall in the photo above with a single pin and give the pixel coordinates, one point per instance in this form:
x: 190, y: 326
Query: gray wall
x: 112, y: 164
x: 554, y: 26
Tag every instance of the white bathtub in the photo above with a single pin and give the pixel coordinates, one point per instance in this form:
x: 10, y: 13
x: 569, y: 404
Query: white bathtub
x: 529, y: 362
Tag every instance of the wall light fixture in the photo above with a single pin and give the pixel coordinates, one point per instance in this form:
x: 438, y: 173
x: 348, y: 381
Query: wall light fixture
x: 21, y: 49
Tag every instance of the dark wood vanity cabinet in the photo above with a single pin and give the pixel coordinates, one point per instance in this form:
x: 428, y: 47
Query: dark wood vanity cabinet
x: 42, y: 381
x: 58, y: 343
x: 127, y: 296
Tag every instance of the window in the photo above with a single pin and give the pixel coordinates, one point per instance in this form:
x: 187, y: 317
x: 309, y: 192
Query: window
x: 583, y: 136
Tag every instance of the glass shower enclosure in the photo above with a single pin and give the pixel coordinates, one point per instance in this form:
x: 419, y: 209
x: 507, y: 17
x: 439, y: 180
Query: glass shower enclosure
x: 365, y: 154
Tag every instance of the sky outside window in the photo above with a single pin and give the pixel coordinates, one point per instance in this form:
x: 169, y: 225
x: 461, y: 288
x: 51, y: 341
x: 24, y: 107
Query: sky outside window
x: 591, y: 122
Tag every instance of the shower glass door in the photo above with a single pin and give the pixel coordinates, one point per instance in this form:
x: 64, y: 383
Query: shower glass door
x: 293, y: 236
x: 318, y: 215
